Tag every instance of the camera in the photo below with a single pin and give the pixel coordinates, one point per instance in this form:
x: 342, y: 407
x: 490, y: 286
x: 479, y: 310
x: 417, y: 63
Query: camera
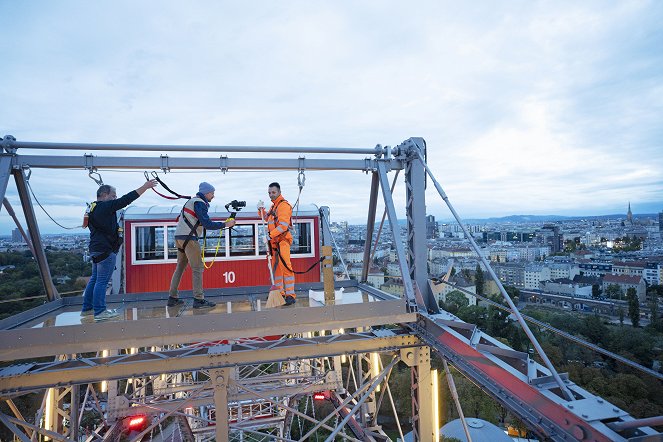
x: 236, y: 205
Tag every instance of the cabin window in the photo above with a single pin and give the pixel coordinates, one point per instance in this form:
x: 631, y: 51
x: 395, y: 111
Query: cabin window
x: 171, y: 247
x: 149, y: 243
x: 301, y: 239
x: 215, y: 245
x: 242, y: 240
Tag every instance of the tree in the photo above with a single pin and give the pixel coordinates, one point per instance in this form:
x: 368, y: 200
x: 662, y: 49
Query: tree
x: 613, y: 291
x: 454, y: 301
x: 596, y: 291
x: 655, y: 322
x: 479, y: 280
x: 633, y: 306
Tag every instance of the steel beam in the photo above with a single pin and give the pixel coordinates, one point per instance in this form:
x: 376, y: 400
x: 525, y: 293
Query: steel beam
x: 27, y: 377
x: 188, y: 163
x: 5, y: 172
x: 377, y: 150
x: 370, y: 225
x: 219, y: 380
x: 25, y: 343
x: 543, y: 413
x: 396, y: 235
x: 415, y: 211
x: 35, y: 237
x: 12, y: 214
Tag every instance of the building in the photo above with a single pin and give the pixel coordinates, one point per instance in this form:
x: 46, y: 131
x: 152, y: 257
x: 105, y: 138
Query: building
x: 629, y: 215
x: 567, y: 287
x: 652, y: 273
x: 354, y: 255
x: 510, y: 273
x: 592, y: 268
x: 375, y: 277
x: 625, y: 282
x: 535, y: 274
x: 432, y: 230
x: 17, y: 237
x: 563, y: 270
x: 550, y: 235
x: 441, y: 290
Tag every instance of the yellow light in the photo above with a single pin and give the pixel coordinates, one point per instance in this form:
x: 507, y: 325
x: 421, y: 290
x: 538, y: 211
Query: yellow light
x: 375, y: 367
x: 104, y: 384
x: 436, y: 405
x: 48, y: 410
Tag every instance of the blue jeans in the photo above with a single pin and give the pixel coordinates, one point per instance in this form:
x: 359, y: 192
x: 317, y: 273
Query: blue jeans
x: 95, y: 291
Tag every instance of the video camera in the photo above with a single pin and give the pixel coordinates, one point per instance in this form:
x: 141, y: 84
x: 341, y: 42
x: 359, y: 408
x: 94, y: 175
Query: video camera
x: 236, y: 205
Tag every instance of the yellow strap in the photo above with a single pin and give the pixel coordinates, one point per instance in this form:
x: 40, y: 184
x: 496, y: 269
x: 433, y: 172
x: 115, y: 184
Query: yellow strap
x: 216, y: 251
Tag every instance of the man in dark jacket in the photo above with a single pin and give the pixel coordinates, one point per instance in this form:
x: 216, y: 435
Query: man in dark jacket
x: 105, y: 242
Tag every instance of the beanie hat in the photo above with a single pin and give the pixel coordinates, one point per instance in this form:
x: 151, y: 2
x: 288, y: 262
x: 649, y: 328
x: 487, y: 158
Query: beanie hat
x: 205, y: 188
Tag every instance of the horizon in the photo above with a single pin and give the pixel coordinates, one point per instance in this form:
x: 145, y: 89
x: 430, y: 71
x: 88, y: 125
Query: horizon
x: 443, y: 220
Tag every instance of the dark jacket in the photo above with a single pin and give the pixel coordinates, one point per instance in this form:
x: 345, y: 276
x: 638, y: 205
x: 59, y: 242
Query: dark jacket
x: 104, y: 235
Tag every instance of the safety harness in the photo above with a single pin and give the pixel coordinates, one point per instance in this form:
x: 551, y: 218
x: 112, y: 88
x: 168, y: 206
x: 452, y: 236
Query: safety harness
x: 114, y: 239
x: 273, y: 212
x: 193, y: 227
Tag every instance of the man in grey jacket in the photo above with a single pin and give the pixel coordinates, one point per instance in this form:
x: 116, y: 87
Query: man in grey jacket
x: 190, y: 224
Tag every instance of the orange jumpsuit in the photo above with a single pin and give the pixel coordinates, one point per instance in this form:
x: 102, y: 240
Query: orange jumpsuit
x: 280, y: 239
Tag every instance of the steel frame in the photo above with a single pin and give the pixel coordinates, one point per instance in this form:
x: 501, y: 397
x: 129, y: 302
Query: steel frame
x: 551, y: 405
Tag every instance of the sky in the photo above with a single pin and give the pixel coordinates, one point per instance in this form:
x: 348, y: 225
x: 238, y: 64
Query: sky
x: 527, y: 107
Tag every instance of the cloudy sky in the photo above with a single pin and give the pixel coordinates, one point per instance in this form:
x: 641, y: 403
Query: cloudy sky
x: 527, y: 107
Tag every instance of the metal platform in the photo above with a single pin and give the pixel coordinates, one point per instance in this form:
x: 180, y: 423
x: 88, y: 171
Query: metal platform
x: 57, y: 327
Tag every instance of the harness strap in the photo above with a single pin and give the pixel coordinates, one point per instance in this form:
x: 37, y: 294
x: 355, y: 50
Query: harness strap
x: 177, y: 195
x: 193, y: 227
x: 278, y: 254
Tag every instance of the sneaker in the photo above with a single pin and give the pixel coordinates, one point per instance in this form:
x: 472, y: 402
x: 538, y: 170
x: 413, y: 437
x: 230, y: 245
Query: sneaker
x: 290, y: 300
x: 106, y: 315
x: 172, y: 302
x: 85, y: 313
x: 203, y: 303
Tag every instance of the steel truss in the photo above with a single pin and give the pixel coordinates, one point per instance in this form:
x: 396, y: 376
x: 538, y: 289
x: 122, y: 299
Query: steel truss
x: 256, y: 389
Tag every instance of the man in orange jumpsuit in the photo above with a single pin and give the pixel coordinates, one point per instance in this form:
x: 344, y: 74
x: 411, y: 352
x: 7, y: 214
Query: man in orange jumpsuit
x: 278, y: 224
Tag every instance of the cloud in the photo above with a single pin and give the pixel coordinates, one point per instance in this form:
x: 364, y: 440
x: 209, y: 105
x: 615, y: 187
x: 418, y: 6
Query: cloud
x: 527, y: 107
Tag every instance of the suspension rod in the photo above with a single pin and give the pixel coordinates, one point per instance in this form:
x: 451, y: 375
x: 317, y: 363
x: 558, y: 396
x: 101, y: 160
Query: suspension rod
x: 567, y: 393
x: 10, y: 143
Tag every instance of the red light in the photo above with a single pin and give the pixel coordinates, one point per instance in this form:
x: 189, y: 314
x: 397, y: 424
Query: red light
x: 319, y: 396
x: 136, y: 422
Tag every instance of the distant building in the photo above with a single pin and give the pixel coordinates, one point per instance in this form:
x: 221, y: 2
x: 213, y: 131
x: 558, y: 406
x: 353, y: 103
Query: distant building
x: 591, y: 268
x: 510, y: 273
x: 550, y: 234
x: 625, y: 282
x: 660, y: 223
x: 441, y: 290
x: 535, y: 274
x: 432, y: 230
x: 16, y: 236
x: 568, y: 287
x: 629, y: 214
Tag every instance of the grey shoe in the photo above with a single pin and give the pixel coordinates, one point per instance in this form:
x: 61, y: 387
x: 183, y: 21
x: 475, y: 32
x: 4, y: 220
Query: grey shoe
x: 85, y: 313
x: 173, y: 302
x: 203, y: 303
x: 106, y: 315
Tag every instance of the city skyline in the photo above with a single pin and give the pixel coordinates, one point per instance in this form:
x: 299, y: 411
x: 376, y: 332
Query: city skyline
x: 527, y: 108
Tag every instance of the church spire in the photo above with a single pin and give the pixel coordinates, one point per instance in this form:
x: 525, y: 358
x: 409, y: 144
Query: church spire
x: 629, y: 214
